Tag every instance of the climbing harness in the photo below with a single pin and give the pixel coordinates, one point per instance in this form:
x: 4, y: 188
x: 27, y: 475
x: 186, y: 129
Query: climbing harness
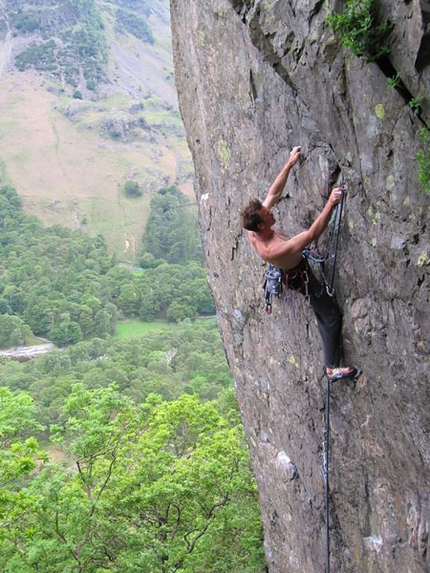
x: 332, y: 246
x: 273, y: 285
x: 327, y: 473
x: 298, y: 274
x: 277, y: 279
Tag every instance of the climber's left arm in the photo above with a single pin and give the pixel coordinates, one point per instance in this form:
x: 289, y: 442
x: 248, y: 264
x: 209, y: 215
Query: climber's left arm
x: 275, y: 190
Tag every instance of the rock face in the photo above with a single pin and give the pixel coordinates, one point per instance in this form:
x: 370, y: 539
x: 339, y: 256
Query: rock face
x: 254, y: 79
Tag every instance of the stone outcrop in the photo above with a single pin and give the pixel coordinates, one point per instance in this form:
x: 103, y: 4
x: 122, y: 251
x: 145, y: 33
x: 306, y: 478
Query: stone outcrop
x: 254, y: 79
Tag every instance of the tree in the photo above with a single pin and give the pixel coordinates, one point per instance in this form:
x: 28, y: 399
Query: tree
x: 36, y: 313
x: 172, y: 232
x: 174, y: 291
x: 4, y: 307
x: 12, y: 331
x: 191, y: 466
x: 103, y: 324
x: 19, y: 456
x: 129, y: 299
x: 47, y: 272
x: 65, y: 331
x: 177, y: 311
x: 144, y: 488
x: 132, y: 189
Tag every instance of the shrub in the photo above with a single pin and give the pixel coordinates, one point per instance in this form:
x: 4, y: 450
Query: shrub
x: 132, y: 189
x: 26, y: 22
x: 135, y: 25
x: 415, y: 104
x: 358, y: 30
x: 38, y: 56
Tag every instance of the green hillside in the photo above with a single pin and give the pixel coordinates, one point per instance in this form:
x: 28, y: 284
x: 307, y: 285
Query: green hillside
x: 87, y: 104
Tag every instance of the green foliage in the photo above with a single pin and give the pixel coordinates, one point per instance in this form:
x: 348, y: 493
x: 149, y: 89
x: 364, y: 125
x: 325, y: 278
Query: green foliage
x: 66, y: 331
x: 16, y: 418
x: 423, y: 161
x: 358, y: 30
x: 148, y: 261
x: 49, y: 275
x: 164, y: 485
x: 178, y: 311
x: 158, y: 483
x: 395, y: 81
x: 171, y: 233
x: 81, y: 47
x: 157, y: 289
x: 132, y: 189
x: 415, y: 104
x: 64, y: 285
x: 19, y: 456
x: 188, y: 358
x: 134, y: 24
x: 26, y: 22
x: 13, y: 331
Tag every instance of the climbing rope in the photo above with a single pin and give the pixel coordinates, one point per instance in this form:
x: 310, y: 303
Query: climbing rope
x: 336, y: 227
x: 327, y: 473
x: 331, y: 253
x: 332, y: 245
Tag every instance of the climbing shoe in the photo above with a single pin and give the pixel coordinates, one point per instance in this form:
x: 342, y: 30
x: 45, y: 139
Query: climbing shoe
x: 334, y: 374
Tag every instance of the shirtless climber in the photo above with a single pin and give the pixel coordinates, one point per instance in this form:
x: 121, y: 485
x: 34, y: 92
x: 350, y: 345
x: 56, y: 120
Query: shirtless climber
x: 276, y: 248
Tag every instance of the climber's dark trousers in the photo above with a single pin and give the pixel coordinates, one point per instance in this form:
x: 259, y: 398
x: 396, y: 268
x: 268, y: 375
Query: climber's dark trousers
x: 327, y: 311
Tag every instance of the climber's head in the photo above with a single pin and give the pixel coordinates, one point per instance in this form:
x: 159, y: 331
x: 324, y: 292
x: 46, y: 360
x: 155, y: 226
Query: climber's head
x: 256, y: 217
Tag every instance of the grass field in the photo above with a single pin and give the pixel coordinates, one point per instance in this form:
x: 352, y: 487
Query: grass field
x: 69, y: 175
x: 127, y: 329
x: 136, y: 328
x: 33, y: 340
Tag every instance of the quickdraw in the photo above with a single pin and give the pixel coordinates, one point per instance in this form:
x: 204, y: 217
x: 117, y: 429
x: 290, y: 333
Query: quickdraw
x: 277, y: 279
x: 273, y: 286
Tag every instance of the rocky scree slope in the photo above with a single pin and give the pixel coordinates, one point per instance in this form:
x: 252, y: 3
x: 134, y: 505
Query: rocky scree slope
x: 254, y: 79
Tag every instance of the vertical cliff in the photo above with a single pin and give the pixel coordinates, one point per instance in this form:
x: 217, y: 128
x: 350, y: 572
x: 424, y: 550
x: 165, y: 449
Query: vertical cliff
x: 254, y: 79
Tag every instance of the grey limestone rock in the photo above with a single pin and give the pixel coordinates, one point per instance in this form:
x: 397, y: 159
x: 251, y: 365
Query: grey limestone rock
x: 254, y: 79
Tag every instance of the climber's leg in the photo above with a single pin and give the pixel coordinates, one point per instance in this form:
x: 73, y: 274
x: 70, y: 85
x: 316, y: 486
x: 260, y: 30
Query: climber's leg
x: 328, y: 315
x: 329, y: 320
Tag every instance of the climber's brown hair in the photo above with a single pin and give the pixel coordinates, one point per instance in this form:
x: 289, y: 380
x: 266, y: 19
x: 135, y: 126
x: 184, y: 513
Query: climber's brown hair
x: 250, y: 215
